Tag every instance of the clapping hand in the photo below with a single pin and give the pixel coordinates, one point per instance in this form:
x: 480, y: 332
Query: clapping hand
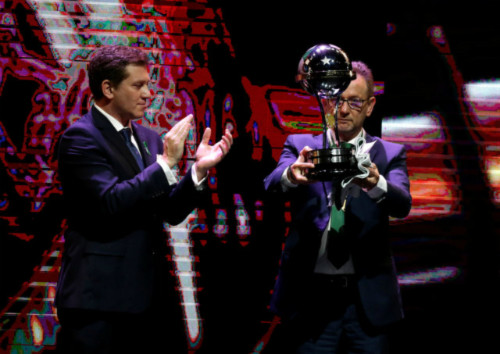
x: 207, y: 156
x: 174, y: 141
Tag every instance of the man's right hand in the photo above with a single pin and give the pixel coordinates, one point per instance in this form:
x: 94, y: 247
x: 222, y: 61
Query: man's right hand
x: 174, y: 141
x: 297, y: 171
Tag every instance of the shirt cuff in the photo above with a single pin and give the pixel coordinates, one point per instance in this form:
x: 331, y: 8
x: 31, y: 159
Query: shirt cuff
x: 379, y: 191
x: 199, y: 185
x: 285, y: 182
x: 169, y: 174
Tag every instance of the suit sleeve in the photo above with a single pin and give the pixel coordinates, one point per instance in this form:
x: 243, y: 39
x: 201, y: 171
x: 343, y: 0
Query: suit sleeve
x: 398, y: 199
x: 95, y: 186
x: 289, y: 155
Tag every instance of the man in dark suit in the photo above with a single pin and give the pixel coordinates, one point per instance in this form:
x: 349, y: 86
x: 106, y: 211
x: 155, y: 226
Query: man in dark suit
x: 325, y: 305
x: 118, y: 191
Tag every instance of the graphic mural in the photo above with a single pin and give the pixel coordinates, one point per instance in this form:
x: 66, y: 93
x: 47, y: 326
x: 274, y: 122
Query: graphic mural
x: 226, y: 255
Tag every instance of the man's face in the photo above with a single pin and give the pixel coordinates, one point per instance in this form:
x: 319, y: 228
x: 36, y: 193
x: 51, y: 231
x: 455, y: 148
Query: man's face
x: 350, y: 120
x: 130, y: 97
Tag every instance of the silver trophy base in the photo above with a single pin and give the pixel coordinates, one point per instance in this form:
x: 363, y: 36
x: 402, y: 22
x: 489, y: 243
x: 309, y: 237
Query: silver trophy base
x: 331, y: 164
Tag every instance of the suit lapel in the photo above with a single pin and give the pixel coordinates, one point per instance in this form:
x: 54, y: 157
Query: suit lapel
x: 144, y: 143
x: 375, y: 148
x: 116, y: 142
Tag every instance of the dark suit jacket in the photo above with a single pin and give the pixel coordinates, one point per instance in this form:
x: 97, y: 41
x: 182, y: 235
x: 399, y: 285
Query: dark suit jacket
x: 366, y: 223
x: 115, y: 215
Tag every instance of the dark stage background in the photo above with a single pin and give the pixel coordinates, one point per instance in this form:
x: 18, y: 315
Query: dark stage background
x: 232, y: 64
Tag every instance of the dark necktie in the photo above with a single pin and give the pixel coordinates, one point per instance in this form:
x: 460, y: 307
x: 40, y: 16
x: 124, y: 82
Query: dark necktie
x: 337, y: 245
x: 127, y: 135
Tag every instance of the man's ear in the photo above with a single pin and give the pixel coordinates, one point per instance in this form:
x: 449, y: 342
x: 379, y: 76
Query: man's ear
x: 107, y: 89
x: 371, y: 104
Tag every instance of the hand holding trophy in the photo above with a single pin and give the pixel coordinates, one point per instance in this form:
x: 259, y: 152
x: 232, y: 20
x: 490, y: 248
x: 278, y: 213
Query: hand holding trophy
x: 325, y: 72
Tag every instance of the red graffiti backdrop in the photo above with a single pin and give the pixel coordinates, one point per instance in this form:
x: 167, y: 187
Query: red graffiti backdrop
x: 232, y: 65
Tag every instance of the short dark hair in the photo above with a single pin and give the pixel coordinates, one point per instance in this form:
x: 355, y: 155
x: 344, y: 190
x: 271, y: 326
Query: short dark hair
x: 362, y: 69
x: 109, y: 63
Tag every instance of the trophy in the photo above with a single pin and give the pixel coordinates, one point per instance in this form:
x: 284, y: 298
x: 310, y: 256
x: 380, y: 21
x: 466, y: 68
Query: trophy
x: 325, y: 72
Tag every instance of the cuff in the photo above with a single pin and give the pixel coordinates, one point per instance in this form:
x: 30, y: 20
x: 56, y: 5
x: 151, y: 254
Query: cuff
x: 169, y: 174
x: 379, y: 191
x: 199, y: 185
x: 285, y: 181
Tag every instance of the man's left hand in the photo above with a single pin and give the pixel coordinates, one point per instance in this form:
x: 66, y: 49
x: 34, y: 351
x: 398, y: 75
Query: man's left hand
x: 371, y: 180
x: 208, y: 156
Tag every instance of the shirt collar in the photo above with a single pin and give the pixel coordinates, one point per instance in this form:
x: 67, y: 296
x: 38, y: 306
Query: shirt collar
x: 353, y: 141
x: 114, y: 122
x: 361, y: 134
x: 365, y: 147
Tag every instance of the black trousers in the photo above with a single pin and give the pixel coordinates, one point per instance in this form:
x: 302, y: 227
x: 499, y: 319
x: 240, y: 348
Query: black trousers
x: 85, y: 332
x: 331, y: 321
x: 159, y: 329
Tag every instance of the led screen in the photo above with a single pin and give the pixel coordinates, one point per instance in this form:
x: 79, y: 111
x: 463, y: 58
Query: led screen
x: 207, y: 61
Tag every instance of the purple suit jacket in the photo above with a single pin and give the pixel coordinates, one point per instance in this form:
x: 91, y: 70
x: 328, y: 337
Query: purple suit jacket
x: 366, y: 222
x: 115, y: 215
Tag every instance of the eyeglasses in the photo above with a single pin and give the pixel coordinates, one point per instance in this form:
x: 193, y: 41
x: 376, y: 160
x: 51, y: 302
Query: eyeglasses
x: 354, y: 103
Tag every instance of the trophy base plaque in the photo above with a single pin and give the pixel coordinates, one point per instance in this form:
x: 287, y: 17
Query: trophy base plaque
x: 332, y: 164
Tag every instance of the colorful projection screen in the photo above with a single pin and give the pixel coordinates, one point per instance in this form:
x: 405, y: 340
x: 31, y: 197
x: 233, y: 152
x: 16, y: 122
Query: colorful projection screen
x: 226, y: 255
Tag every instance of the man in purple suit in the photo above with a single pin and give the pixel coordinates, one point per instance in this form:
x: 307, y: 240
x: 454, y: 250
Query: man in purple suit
x: 119, y: 189
x: 327, y: 304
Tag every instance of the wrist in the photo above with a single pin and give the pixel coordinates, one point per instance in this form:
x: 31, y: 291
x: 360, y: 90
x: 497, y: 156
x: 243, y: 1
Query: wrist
x: 201, y: 172
x: 290, y: 175
x: 169, y: 161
